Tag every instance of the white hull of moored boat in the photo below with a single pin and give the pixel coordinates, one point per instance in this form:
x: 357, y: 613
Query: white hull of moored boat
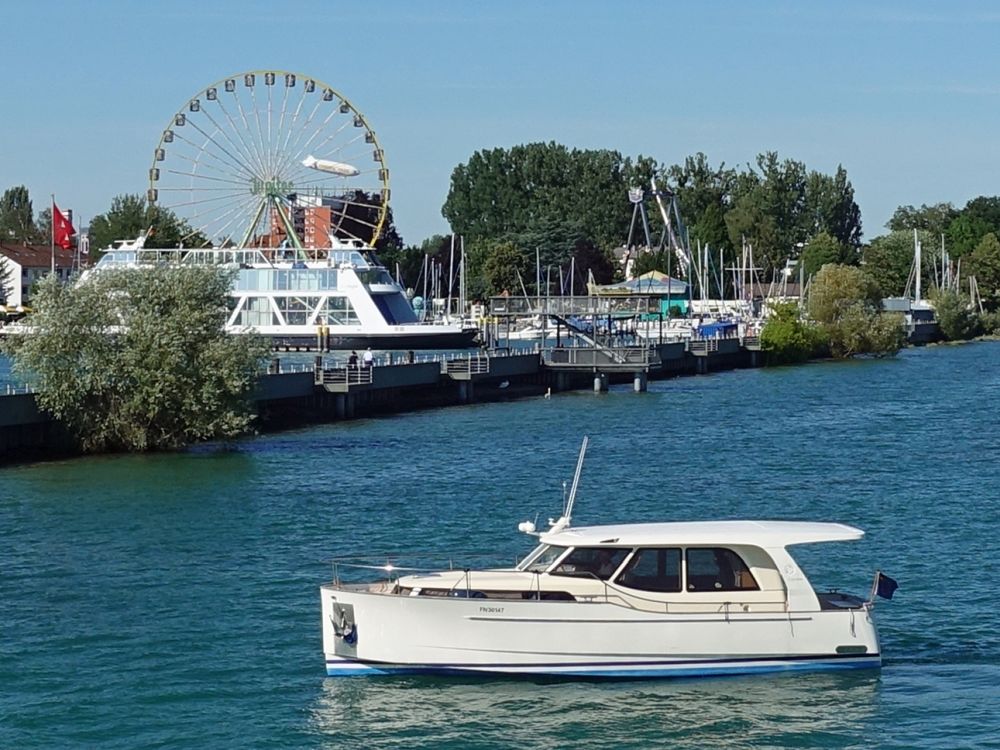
x: 391, y: 634
x: 677, y: 599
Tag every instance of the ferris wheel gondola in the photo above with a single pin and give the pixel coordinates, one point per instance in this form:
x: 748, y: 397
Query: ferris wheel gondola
x: 271, y: 159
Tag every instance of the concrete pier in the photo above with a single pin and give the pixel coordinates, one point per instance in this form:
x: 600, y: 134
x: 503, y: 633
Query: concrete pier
x: 329, y: 390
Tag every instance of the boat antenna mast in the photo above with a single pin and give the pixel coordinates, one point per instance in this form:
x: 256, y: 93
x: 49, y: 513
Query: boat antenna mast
x: 528, y: 527
x: 567, y: 514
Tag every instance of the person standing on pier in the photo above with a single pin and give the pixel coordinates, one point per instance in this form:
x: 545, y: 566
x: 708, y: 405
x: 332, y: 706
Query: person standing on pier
x: 367, y: 357
x: 352, y: 361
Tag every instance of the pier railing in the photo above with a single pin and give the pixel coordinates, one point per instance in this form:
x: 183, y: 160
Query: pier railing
x: 344, y: 376
x: 583, y: 305
x: 625, y: 357
x: 470, y: 365
x: 703, y: 346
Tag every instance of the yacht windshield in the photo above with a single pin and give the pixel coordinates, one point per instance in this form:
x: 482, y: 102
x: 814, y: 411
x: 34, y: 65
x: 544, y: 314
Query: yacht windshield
x: 541, y: 558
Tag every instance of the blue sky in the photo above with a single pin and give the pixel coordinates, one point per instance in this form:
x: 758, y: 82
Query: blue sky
x: 906, y: 95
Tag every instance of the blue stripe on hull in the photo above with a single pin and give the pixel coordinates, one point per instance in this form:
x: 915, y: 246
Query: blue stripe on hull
x: 345, y: 668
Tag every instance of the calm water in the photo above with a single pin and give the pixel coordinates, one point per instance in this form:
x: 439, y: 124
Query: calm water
x: 172, y: 601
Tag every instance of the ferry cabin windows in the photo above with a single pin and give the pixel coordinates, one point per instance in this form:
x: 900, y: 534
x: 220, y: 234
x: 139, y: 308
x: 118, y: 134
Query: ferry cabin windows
x: 337, y: 311
x: 256, y: 312
x: 718, y: 569
x: 296, y: 311
x: 653, y: 570
x: 286, y: 279
x: 599, y: 562
x: 375, y: 276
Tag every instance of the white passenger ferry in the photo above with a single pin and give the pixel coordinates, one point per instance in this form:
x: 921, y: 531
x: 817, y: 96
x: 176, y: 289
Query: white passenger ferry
x: 293, y: 295
x: 636, y: 600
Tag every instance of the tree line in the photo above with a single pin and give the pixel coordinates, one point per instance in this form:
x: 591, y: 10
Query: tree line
x: 570, y: 208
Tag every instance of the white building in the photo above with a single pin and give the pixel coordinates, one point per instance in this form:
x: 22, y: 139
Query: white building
x: 21, y: 266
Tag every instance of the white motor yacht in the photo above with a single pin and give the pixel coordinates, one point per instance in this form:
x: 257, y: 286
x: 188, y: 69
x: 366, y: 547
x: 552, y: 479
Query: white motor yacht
x: 633, y: 600
x: 292, y: 295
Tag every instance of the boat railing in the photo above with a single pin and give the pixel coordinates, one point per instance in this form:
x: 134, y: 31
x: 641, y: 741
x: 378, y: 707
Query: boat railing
x: 355, y: 571
x: 351, y: 567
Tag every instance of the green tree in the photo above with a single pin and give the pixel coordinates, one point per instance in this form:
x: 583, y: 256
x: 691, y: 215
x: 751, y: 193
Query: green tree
x: 846, y: 302
x: 964, y: 233
x: 503, y: 268
x: 502, y: 194
x: 705, y: 193
x: 836, y: 288
x: 787, y: 338
x: 984, y: 264
x: 554, y: 238
x: 660, y: 260
x: 130, y: 216
x: 43, y: 226
x: 889, y: 261
x: 955, y: 317
x: 934, y: 220
x: 768, y: 209
x: 17, y: 217
x: 821, y: 250
x: 138, y: 360
x: 389, y: 238
x: 589, y: 259
x: 979, y: 217
x: 830, y: 206
x: 781, y: 204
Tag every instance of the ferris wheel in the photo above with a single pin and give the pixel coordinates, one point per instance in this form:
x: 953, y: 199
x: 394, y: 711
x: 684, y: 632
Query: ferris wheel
x: 271, y: 159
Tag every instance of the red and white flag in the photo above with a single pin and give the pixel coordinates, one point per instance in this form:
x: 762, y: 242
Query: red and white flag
x: 62, y: 229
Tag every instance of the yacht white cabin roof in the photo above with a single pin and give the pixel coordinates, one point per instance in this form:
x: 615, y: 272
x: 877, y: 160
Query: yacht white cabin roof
x: 766, y: 534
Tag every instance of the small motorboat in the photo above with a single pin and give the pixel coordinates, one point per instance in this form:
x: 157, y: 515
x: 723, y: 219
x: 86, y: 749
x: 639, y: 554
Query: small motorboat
x: 675, y: 599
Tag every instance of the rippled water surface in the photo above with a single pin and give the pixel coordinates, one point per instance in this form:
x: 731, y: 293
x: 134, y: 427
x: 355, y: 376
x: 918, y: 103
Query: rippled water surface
x: 172, y: 601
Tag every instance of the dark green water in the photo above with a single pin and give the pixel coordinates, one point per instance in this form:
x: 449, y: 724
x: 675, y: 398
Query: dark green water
x: 172, y: 601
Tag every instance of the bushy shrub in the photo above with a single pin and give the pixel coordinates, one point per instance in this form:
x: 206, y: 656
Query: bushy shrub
x: 786, y: 338
x: 955, y: 316
x: 138, y: 359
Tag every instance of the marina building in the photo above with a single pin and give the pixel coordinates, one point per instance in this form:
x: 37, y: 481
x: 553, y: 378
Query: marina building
x: 21, y: 266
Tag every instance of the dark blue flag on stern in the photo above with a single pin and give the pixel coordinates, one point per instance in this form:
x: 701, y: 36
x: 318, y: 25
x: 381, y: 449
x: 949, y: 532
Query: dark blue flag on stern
x: 885, y: 586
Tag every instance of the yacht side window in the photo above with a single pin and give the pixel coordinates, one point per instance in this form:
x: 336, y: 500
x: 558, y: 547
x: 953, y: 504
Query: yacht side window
x: 653, y: 569
x: 718, y: 569
x: 542, y: 559
x: 597, y: 562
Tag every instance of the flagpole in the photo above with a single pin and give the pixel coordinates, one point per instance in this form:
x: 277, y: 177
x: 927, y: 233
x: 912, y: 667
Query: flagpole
x: 52, y: 232
x: 871, y: 596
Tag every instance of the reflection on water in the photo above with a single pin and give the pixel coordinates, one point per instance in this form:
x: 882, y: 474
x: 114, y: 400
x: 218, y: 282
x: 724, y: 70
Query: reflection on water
x: 814, y: 710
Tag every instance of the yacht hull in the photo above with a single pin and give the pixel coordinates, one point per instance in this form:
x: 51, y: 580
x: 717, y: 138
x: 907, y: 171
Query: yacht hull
x: 367, y: 633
